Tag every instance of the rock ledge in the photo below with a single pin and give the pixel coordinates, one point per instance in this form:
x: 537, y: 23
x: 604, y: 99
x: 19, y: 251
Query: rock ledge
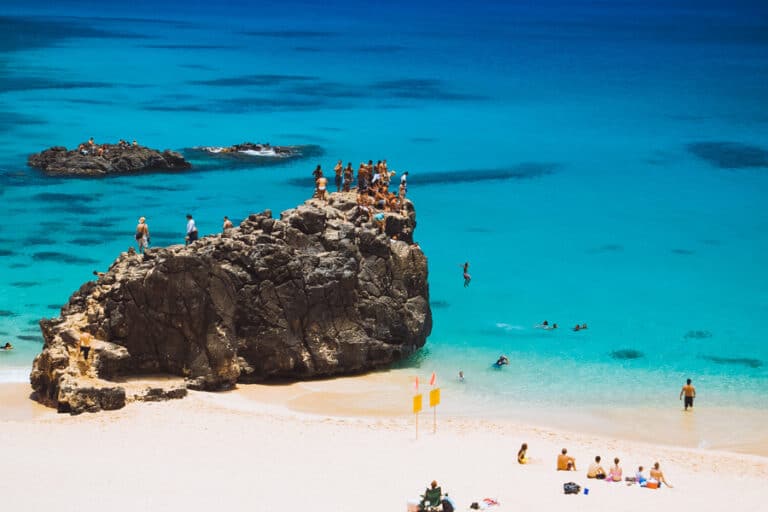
x: 312, y: 294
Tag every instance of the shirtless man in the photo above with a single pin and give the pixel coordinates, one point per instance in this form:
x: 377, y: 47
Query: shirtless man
x: 322, y: 184
x: 227, y: 224
x: 690, y: 393
x: 565, y: 462
x: 142, y: 234
x: 349, y: 175
x: 339, y: 169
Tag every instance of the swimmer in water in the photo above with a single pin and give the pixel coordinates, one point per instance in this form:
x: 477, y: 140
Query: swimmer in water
x: 461, y: 376
x: 8, y: 346
x: 502, y: 361
x: 467, y: 277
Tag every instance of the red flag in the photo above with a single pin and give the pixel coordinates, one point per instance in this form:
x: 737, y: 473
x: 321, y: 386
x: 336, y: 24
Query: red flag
x: 432, y: 379
x: 417, y: 383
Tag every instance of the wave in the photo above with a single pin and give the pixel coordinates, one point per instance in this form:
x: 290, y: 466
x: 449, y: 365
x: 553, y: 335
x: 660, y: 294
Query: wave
x: 509, y: 327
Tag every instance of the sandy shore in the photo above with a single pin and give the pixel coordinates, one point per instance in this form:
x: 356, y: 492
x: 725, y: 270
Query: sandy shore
x: 286, y: 447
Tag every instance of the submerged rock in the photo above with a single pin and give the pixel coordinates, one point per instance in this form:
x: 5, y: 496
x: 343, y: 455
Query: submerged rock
x: 248, y: 154
x: 627, y: 353
x: 106, y: 159
x: 309, y: 295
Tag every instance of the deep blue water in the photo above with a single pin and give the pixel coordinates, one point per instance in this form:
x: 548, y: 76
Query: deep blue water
x: 598, y: 162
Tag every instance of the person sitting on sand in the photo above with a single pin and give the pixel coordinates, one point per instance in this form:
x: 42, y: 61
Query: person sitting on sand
x: 640, y: 477
x: 7, y: 346
x: 565, y: 462
x: 522, y: 458
x: 432, y: 497
x: 596, y: 470
x: 657, y: 475
x: 615, y: 475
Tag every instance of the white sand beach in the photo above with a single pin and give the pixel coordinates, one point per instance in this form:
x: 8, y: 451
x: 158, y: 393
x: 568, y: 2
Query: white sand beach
x: 289, y: 447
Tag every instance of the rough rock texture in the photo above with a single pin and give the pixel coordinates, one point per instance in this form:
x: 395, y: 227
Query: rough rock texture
x: 310, y: 295
x: 107, y: 159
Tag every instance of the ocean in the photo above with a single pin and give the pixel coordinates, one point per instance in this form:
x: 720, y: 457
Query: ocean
x: 594, y: 162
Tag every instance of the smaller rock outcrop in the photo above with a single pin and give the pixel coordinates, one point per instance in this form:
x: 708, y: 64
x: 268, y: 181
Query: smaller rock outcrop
x: 248, y: 154
x: 93, y: 160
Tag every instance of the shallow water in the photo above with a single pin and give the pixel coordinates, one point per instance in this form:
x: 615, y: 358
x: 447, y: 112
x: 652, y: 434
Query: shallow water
x: 593, y: 163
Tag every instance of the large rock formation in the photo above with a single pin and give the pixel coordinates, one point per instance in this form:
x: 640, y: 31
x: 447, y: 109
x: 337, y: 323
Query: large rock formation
x: 106, y: 159
x: 316, y: 293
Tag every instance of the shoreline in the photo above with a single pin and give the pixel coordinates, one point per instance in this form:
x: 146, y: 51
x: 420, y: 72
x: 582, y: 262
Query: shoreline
x: 387, y: 395
x: 252, y: 446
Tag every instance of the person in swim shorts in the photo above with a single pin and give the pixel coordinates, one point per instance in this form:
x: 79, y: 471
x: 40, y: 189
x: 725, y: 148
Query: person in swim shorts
x: 690, y: 393
x: 142, y: 234
x: 467, y: 277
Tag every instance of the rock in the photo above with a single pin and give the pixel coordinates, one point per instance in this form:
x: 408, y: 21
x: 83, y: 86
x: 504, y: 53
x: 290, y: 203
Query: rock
x: 106, y: 159
x: 248, y: 154
x: 308, y: 295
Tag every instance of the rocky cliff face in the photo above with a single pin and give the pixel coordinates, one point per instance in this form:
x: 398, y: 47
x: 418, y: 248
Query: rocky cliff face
x: 106, y: 159
x: 310, y: 295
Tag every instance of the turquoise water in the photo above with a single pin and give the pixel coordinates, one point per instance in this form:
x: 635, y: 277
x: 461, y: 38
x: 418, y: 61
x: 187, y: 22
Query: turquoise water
x: 585, y: 115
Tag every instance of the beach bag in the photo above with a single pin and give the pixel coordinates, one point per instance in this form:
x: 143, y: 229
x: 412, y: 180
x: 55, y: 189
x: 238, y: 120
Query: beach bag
x: 571, y: 488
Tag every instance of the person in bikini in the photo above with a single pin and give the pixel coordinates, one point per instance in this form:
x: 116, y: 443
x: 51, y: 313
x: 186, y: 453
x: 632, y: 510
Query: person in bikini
x: 657, y: 475
x: 227, y: 224
x: 615, y: 475
x: 142, y: 234
x: 322, y: 185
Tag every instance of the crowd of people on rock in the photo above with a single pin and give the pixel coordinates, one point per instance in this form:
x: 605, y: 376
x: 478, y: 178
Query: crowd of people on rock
x: 373, y: 189
x: 91, y: 148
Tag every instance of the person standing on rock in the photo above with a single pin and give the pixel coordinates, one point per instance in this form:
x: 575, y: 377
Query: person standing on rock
x: 191, y: 230
x: 339, y: 169
x: 142, y: 234
x: 322, y: 185
x: 349, y: 176
x: 227, y: 224
x: 404, y: 183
